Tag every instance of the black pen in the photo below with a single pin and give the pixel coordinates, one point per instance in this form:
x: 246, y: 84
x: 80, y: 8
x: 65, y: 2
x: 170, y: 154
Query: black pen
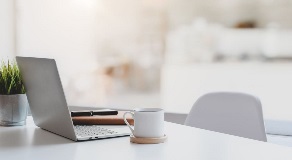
x: 93, y: 112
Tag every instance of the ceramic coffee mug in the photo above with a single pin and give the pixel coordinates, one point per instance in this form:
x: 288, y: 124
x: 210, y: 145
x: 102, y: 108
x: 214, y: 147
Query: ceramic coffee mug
x: 148, y: 122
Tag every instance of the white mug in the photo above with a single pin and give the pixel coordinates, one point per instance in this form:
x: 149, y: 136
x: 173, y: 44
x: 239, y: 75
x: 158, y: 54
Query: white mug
x: 148, y: 122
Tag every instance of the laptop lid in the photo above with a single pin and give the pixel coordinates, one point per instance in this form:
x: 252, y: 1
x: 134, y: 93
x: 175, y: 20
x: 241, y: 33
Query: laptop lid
x: 46, y: 96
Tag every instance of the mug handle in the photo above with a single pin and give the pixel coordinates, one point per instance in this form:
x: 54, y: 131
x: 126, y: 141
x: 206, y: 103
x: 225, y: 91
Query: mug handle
x: 125, y: 119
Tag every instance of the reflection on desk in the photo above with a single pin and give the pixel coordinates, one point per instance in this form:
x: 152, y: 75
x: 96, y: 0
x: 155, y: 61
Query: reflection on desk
x: 32, y: 143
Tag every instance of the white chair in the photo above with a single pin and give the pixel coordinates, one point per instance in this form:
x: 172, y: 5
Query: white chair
x: 237, y: 114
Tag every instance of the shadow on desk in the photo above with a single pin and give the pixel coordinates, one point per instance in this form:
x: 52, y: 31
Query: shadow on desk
x: 21, y: 137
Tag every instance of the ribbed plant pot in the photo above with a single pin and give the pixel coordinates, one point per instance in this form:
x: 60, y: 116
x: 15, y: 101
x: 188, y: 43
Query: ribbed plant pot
x: 13, y: 110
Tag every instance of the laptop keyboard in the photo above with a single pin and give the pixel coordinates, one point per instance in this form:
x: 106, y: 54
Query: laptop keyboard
x: 92, y: 130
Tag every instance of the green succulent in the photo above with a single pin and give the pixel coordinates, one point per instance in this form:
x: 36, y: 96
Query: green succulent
x: 10, y: 79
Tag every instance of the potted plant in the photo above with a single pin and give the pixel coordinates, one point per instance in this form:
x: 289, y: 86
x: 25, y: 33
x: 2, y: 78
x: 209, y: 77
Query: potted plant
x: 13, y: 101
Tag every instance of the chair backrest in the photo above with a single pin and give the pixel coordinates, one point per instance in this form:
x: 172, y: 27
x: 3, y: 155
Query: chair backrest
x: 237, y: 114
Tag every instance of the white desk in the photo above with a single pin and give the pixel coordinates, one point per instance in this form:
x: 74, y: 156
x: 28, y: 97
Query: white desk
x: 32, y: 143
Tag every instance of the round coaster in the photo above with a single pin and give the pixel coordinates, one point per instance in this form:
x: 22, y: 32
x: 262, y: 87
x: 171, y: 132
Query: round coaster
x: 141, y: 140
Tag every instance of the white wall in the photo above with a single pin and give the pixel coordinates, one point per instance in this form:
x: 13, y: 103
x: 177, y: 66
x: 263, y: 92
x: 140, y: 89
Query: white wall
x: 182, y: 85
x: 86, y: 35
x: 63, y: 30
x: 7, y: 28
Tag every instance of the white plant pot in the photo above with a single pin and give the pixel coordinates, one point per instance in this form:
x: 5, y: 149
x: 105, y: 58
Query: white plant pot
x: 13, y: 109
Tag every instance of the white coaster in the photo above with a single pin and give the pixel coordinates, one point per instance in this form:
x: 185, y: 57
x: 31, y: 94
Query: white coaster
x: 139, y: 140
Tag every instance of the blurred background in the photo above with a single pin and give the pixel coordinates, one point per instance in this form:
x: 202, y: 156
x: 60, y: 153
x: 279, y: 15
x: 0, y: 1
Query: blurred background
x: 157, y: 53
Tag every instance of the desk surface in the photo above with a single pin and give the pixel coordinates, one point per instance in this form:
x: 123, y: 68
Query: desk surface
x: 32, y: 143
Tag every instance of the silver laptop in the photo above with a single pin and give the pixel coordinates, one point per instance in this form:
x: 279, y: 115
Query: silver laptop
x: 48, y: 103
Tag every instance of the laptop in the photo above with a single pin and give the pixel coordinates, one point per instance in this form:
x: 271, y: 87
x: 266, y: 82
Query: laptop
x: 48, y: 103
